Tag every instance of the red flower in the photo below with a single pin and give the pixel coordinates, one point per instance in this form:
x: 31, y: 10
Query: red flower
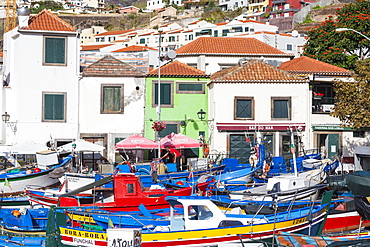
x: 158, y: 126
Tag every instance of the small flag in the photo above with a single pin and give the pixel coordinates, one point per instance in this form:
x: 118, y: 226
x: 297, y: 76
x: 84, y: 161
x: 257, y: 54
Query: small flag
x: 246, y: 138
x: 292, y: 149
x: 110, y: 223
x: 190, y: 174
x: 6, y: 183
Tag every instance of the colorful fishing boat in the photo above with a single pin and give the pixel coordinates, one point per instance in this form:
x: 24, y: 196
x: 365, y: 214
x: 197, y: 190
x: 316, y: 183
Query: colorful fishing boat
x: 127, y: 194
x: 10, y: 241
x: 298, y: 240
x: 23, y: 220
x: 202, y: 223
x: 15, y: 180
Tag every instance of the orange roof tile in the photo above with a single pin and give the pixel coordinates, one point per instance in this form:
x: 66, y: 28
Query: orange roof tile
x: 194, y: 22
x: 93, y: 47
x: 45, y: 20
x: 228, y: 46
x: 245, y: 21
x: 178, y: 69
x: 119, y: 32
x: 144, y: 34
x: 255, y: 71
x: 135, y: 48
x: 1, y: 54
x: 109, y: 66
x: 306, y: 65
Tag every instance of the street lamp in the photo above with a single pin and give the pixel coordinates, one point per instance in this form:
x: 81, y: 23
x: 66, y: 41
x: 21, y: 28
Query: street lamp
x: 201, y: 114
x: 343, y: 29
x: 13, y: 125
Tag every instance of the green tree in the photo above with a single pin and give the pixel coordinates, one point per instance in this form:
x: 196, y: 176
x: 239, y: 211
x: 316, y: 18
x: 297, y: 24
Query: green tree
x: 51, y: 5
x: 352, y: 105
x: 342, y: 49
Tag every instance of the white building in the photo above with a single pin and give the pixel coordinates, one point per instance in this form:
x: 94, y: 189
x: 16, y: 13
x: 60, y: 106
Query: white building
x: 41, y: 73
x: 88, y: 35
x: 212, y: 54
x: 155, y: 5
x: 256, y: 100
x: 111, y: 102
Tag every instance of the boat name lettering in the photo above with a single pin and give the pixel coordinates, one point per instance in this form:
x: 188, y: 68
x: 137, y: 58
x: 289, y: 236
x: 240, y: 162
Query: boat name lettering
x: 83, y: 234
x: 73, y: 180
x: 261, y: 127
x: 298, y: 221
x: 83, y: 241
x: 119, y: 242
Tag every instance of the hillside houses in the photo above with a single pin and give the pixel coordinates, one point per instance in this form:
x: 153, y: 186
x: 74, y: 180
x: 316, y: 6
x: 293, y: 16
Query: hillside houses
x: 242, y: 87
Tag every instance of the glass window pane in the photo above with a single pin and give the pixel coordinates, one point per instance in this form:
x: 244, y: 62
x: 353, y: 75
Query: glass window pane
x: 55, y: 50
x: 281, y: 109
x: 190, y: 87
x: 165, y: 94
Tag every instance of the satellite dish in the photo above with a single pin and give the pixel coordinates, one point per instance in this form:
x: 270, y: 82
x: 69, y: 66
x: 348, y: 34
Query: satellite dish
x: 171, y: 54
x: 295, y: 33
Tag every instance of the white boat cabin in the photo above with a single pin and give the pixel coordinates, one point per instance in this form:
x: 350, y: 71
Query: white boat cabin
x: 201, y: 213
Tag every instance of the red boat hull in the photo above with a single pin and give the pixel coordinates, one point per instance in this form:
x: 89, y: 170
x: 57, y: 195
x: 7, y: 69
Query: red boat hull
x: 346, y: 221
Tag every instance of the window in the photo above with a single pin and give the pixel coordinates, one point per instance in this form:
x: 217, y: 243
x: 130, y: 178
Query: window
x: 246, y: 29
x: 166, y: 94
x: 142, y: 41
x: 215, y: 33
x: 190, y: 88
x: 191, y: 37
x: 359, y: 134
x: 237, y: 29
x: 244, y: 108
x: 112, y: 99
x: 171, y: 127
x: 130, y: 188
x: 171, y: 39
x: 289, y: 47
x: 54, y: 107
x: 281, y: 108
x: 225, y: 32
x: 54, y: 51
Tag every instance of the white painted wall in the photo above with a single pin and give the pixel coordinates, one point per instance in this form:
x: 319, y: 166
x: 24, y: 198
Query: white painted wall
x: 23, y: 57
x: 114, y: 125
x: 221, y: 96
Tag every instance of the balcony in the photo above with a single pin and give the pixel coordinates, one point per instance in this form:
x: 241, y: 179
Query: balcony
x: 278, y: 1
x: 323, y: 105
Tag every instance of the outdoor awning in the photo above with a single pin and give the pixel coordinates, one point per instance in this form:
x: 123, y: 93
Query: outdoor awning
x: 259, y: 126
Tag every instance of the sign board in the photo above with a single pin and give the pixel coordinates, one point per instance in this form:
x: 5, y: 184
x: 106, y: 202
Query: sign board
x: 124, y: 237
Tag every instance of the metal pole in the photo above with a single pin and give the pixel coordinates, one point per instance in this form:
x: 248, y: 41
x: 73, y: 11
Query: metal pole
x: 292, y: 148
x: 159, y: 91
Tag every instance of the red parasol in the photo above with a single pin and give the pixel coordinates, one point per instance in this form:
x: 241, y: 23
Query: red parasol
x: 136, y: 142
x: 179, y: 141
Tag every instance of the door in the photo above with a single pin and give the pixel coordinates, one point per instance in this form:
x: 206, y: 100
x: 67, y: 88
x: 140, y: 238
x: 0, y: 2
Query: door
x: 333, y: 145
x: 240, y: 147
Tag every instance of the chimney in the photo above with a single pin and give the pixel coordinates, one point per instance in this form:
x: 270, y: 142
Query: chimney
x: 23, y: 17
x: 201, y: 63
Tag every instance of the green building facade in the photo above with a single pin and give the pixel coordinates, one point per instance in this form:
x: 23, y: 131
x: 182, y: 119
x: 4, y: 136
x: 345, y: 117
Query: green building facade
x: 183, y: 93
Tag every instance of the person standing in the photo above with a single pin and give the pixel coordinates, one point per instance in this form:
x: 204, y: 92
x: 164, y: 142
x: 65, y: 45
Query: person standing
x: 176, y: 156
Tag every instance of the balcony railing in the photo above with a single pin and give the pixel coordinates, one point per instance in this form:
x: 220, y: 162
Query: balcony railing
x: 278, y: 1
x: 322, y: 105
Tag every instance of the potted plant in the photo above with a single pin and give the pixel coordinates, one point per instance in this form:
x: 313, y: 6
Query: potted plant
x: 158, y: 126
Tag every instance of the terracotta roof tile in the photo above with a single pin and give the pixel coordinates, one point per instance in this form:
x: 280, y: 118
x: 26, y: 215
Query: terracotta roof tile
x: 145, y: 34
x: 135, y: 48
x: 93, y: 47
x: 119, y: 32
x: 109, y: 66
x: 229, y: 46
x: 178, y: 69
x: 306, y: 65
x: 45, y: 20
x: 245, y: 21
x: 255, y: 71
